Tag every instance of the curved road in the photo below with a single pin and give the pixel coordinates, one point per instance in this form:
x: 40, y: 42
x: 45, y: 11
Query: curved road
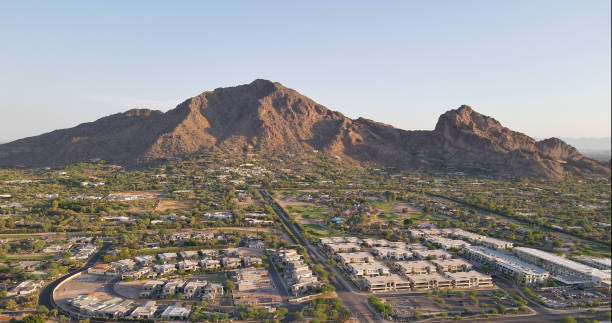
x: 46, y: 295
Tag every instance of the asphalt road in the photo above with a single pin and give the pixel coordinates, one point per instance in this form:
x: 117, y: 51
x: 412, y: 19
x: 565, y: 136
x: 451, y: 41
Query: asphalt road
x: 356, y: 303
x: 46, y: 295
x: 278, y: 281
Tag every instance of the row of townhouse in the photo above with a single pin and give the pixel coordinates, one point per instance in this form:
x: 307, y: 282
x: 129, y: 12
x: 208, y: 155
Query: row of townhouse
x: 447, y: 243
x: 142, y: 266
x: 520, y: 271
x: 341, y: 244
x: 398, y: 253
x: 115, y: 307
x: 424, y: 281
x: 474, y: 238
x: 421, y: 267
x: 84, y: 251
x: 193, y: 289
x: 204, y: 236
x: 460, y: 279
x: 298, y: 274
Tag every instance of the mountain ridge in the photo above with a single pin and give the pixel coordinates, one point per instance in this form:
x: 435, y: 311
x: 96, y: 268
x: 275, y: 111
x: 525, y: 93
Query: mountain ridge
x: 273, y: 119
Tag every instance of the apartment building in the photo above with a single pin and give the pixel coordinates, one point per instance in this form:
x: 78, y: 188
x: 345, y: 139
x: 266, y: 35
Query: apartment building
x: 432, y: 254
x: 489, y: 242
x: 401, y: 253
x: 374, y: 268
x: 510, y: 266
x: 451, y: 265
x: 599, y: 263
x: 565, y: 270
x: 429, y: 281
x: 470, y: 279
x: 354, y: 257
x: 446, y: 243
x: 415, y: 267
x: 385, y: 283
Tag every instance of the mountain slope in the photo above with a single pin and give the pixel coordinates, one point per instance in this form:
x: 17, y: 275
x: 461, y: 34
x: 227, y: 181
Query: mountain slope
x: 273, y: 119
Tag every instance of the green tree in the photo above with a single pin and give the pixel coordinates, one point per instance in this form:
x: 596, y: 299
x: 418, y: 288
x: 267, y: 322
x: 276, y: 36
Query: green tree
x: 568, y: 319
x: 10, y: 304
x: 229, y: 285
x: 33, y: 318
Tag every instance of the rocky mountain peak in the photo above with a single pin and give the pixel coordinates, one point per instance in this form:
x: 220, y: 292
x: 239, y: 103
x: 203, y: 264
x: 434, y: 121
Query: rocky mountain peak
x: 270, y: 119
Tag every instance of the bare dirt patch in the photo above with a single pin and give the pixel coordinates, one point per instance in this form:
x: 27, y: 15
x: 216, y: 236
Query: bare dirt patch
x: 84, y: 284
x: 130, y: 289
x: 169, y: 204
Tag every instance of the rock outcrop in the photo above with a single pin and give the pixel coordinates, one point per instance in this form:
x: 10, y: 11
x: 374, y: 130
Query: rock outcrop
x: 273, y: 119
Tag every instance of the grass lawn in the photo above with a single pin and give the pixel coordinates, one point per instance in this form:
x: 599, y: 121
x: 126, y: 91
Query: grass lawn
x: 318, y: 231
x: 18, y: 236
x: 391, y: 216
x: 418, y: 216
x: 384, y: 205
x: 219, y: 278
x: 308, y: 211
x: 29, y: 258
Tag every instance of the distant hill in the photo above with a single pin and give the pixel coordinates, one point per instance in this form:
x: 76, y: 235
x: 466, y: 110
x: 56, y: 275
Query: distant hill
x: 589, y: 143
x: 271, y: 119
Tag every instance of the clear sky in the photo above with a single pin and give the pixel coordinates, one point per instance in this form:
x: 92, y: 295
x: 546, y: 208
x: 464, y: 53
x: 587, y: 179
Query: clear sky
x: 540, y: 67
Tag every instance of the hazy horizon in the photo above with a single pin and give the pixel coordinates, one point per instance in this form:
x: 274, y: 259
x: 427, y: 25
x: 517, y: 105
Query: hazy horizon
x: 541, y: 68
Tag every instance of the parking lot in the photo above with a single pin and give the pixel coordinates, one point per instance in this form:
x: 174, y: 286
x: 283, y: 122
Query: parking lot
x: 567, y: 296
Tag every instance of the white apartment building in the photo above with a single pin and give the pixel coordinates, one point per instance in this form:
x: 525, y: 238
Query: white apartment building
x: 565, y: 270
x: 507, y: 265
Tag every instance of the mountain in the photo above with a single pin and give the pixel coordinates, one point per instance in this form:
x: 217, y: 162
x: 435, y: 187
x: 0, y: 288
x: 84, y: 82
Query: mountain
x: 273, y: 119
x: 584, y: 144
